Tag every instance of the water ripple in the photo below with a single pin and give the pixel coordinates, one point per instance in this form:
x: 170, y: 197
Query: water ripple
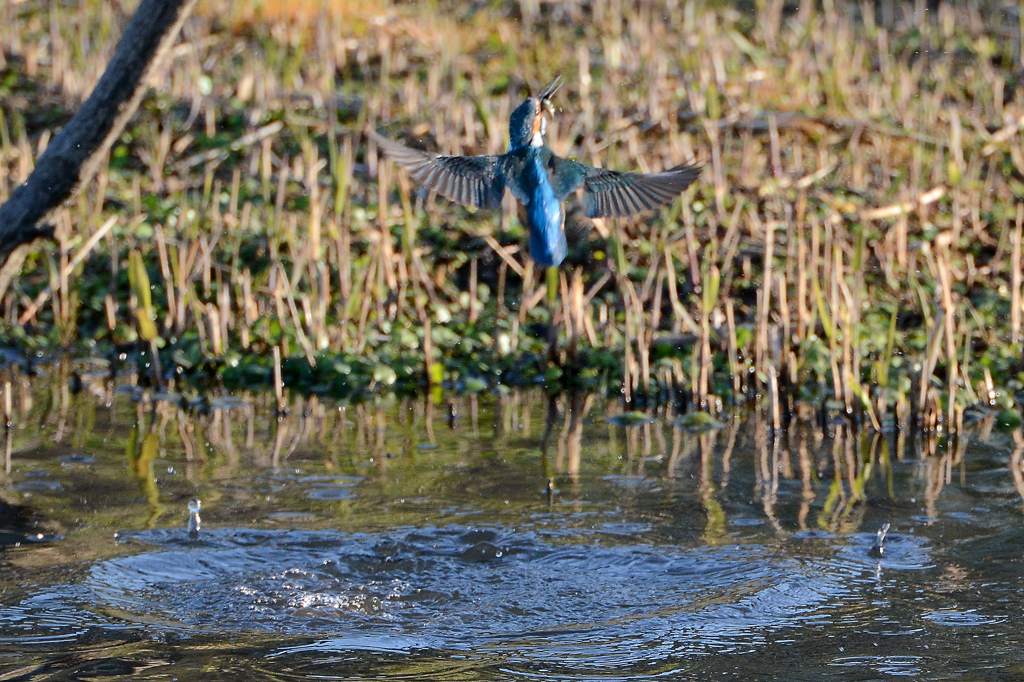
x: 573, y: 605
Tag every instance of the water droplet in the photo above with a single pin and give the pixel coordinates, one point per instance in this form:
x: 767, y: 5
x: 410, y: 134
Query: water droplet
x: 878, y: 549
x: 194, y: 522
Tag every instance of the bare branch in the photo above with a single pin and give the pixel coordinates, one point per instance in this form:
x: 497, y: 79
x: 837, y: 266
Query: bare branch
x: 72, y: 157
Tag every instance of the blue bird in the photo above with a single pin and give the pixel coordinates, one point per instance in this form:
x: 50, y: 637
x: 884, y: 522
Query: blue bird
x: 538, y: 179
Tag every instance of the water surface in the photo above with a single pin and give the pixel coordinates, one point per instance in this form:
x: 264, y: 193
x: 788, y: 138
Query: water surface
x: 494, y: 536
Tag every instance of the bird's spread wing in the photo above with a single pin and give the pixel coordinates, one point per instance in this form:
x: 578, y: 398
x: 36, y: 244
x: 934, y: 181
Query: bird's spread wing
x: 608, y: 193
x: 468, y: 180
x: 513, y: 166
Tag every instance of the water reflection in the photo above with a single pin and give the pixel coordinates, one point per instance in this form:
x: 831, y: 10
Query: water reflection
x: 521, y: 532
x: 831, y: 469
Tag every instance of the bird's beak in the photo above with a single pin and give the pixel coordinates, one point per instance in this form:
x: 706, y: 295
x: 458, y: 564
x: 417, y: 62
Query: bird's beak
x: 550, y: 89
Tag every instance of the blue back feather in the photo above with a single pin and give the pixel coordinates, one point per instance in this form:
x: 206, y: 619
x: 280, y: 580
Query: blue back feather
x: 544, y: 215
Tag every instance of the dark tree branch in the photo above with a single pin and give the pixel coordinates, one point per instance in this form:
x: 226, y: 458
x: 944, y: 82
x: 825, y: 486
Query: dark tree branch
x: 72, y: 157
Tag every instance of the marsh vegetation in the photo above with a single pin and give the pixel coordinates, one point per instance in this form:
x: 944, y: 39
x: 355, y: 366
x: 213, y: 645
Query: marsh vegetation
x: 854, y: 247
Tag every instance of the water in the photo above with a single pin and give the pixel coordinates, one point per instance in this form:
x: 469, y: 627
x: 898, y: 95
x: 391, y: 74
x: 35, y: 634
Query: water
x: 520, y: 539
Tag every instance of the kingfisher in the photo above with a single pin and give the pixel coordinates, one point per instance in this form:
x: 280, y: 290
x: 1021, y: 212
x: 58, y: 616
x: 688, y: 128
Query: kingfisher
x: 539, y: 179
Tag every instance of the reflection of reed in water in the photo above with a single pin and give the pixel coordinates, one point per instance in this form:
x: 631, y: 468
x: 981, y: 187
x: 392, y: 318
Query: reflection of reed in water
x: 8, y: 414
x: 141, y: 451
x: 715, y: 527
x: 565, y: 439
x: 1015, y: 462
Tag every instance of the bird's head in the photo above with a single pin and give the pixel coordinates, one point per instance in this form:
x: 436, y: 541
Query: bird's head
x: 528, y: 123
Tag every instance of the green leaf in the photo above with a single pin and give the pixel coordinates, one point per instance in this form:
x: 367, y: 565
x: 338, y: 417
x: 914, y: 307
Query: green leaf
x: 1008, y: 419
x: 436, y: 374
x: 698, y: 421
x: 631, y: 419
x: 138, y: 278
